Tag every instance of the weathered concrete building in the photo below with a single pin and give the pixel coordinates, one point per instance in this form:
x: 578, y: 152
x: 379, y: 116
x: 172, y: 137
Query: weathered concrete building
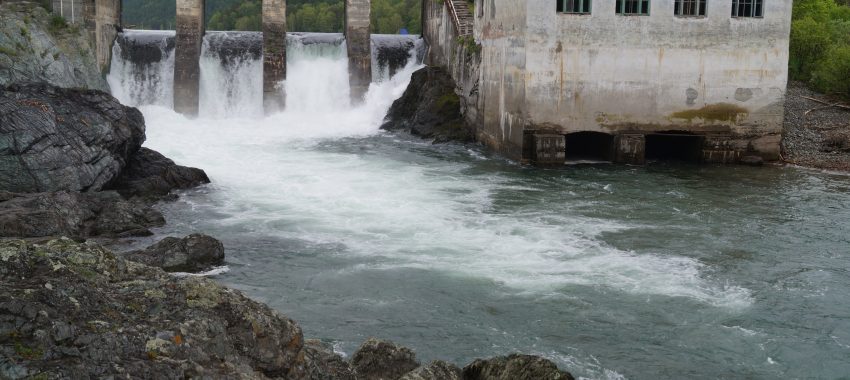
x: 621, y: 80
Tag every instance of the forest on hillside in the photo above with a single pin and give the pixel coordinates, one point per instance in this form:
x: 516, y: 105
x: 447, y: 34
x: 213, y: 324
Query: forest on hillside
x: 820, y: 45
x: 388, y: 16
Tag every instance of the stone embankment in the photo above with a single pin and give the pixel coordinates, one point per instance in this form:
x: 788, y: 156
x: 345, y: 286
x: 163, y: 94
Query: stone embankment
x: 817, y: 130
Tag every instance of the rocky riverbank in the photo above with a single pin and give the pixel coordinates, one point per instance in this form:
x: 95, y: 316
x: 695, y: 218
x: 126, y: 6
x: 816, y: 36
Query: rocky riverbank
x: 817, y: 132
x: 77, y: 310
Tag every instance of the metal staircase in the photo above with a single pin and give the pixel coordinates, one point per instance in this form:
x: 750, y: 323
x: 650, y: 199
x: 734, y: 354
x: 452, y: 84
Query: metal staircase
x: 461, y: 16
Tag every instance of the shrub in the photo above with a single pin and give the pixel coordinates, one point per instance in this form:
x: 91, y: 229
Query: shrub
x: 809, y: 41
x: 831, y: 72
x: 57, y: 23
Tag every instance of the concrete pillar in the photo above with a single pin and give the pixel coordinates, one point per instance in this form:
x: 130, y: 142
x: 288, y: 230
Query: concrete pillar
x: 107, y: 24
x: 187, y: 49
x: 549, y: 149
x: 630, y: 149
x: 274, y: 54
x: 359, y: 42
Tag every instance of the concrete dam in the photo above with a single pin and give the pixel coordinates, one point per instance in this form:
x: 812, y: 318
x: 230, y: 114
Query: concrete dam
x: 230, y: 66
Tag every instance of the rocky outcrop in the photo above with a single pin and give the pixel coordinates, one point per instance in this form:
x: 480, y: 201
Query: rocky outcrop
x: 80, y: 215
x: 38, y: 47
x: 76, y: 310
x: 382, y: 360
x: 55, y: 139
x: 194, y: 253
x: 72, y: 310
x: 514, y: 367
x: 430, y: 108
x: 149, y: 174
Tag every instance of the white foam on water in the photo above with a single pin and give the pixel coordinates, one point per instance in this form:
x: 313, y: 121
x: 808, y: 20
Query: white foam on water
x: 271, y: 176
x: 210, y: 273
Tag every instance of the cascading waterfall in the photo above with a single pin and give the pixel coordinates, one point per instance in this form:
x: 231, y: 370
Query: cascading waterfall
x: 231, y: 74
x: 142, y: 72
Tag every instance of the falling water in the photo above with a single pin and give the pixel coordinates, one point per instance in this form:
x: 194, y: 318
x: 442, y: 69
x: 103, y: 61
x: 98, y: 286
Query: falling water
x: 142, y: 72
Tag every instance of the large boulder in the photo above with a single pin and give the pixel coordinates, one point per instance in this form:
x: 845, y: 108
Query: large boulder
x: 76, y: 310
x: 514, y: 367
x: 382, y: 360
x: 66, y: 213
x: 149, y: 174
x: 38, y: 47
x: 194, y: 253
x: 54, y: 139
x: 430, y: 108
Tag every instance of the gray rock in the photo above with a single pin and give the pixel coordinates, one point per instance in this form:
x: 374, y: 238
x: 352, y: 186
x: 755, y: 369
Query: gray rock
x: 320, y: 362
x: 105, y: 317
x: 194, y: 253
x: 430, y: 108
x: 74, y: 214
x: 514, y: 367
x: 149, y: 174
x: 382, y: 360
x: 436, y: 370
x: 36, y: 48
x: 54, y: 139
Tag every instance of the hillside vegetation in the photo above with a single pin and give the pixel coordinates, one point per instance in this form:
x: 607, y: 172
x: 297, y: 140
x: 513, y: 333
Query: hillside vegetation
x: 820, y: 45
x: 388, y: 16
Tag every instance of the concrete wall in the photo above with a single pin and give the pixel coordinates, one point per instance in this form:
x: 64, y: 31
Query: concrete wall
x: 107, y: 24
x: 501, y: 29
x: 715, y: 75
x: 359, y: 43
x: 190, y: 33
x: 274, y: 54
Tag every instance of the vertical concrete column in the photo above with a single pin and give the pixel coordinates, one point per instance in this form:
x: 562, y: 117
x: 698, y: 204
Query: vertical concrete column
x: 358, y: 39
x: 107, y: 23
x: 274, y: 54
x: 630, y: 149
x: 187, y: 49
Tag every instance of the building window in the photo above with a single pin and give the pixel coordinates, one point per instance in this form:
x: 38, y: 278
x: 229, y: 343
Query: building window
x: 574, y: 6
x: 747, y: 8
x: 690, y: 7
x: 633, y: 7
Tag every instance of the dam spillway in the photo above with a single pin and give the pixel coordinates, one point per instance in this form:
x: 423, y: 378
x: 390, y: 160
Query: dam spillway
x: 230, y: 65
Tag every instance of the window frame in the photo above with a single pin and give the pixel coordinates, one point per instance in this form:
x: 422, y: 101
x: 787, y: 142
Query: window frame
x: 561, y: 7
x: 756, y: 5
x: 621, y: 8
x: 701, y: 7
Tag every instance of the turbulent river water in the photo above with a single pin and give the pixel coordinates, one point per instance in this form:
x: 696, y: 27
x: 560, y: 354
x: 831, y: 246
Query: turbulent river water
x: 663, y: 271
